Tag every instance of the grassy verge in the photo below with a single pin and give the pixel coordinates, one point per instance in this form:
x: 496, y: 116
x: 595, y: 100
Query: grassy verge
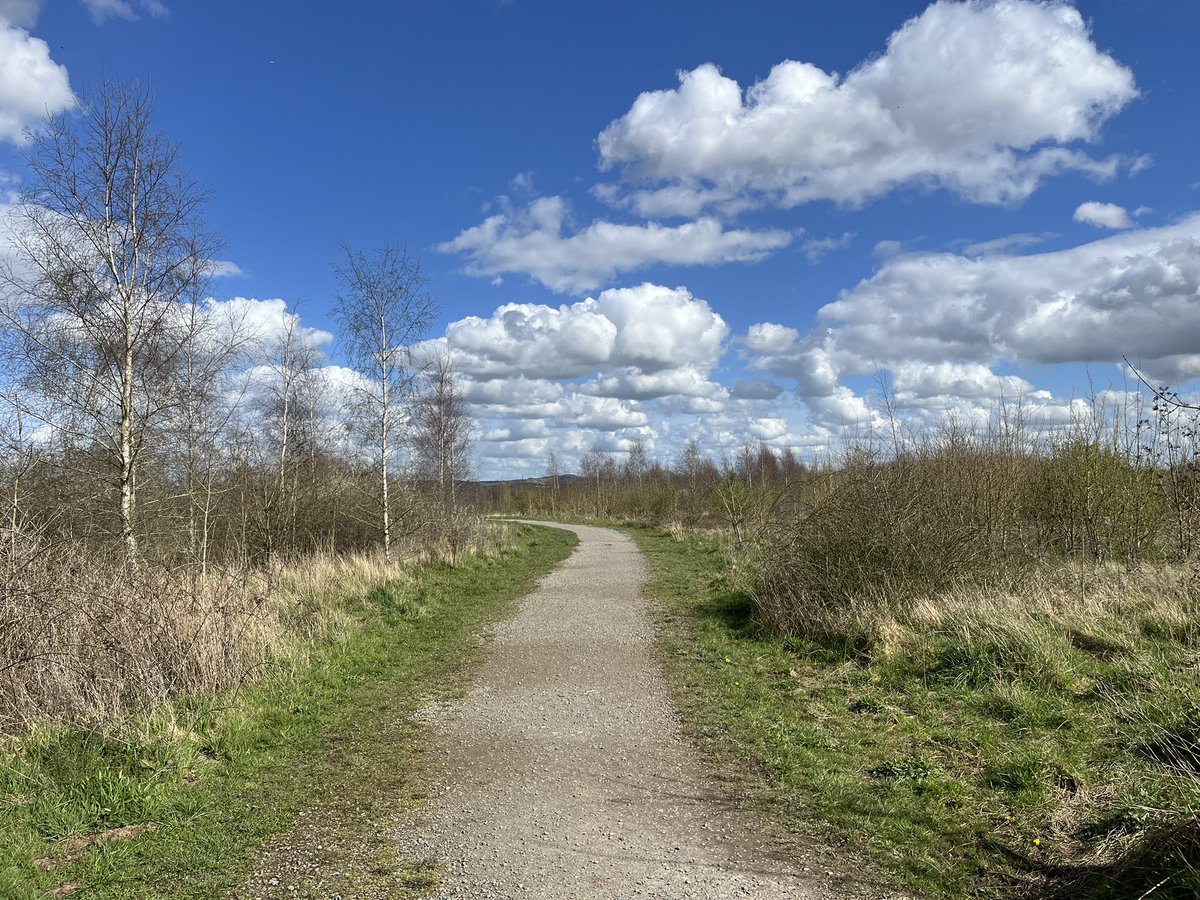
x: 214, y: 779
x: 963, y: 764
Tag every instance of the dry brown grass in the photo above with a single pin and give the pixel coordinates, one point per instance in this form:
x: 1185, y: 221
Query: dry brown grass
x: 98, y: 642
x: 90, y: 640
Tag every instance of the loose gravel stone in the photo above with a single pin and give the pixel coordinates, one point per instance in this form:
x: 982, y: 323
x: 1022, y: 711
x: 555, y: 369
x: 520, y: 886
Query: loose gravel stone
x: 565, y: 772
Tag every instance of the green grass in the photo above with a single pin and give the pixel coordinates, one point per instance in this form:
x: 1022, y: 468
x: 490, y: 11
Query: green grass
x: 220, y: 776
x: 996, y: 766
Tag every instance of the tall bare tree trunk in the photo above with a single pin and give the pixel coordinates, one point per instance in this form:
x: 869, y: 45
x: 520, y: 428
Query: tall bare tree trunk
x: 128, y: 488
x: 385, y: 420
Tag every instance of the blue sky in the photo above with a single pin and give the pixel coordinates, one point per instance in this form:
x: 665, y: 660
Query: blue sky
x: 677, y: 220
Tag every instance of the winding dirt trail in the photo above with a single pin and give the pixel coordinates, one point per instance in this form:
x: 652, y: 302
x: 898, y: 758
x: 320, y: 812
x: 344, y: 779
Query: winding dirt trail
x: 564, y: 773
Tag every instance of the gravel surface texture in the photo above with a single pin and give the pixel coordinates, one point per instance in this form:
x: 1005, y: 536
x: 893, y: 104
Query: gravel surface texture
x: 565, y: 773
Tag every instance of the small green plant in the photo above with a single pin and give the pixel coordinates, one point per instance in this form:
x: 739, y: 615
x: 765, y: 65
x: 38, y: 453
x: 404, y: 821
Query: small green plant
x: 911, y: 767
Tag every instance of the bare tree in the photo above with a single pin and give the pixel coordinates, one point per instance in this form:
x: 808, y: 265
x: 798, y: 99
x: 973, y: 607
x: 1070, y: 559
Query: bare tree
x: 215, y: 345
x: 443, y: 431
x: 553, y: 478
x: 597, y: 465
x: 286, y: 400
x: 383, y: 307
x: 637, y: 463
x: 108, y: 248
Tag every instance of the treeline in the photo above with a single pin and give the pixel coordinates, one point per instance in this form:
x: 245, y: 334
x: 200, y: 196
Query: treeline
x: 139, y: 413
x: 693, y: 490
x: 164, y: 457
x: 907, y: 515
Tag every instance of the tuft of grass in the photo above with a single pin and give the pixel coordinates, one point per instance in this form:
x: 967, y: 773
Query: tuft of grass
x: 981, y: 742
x: 218, y: 775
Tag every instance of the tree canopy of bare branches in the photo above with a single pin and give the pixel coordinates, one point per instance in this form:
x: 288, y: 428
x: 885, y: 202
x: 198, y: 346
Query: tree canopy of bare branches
x: 443, y: 431
x: 383, y: 307
x: 108, y: 250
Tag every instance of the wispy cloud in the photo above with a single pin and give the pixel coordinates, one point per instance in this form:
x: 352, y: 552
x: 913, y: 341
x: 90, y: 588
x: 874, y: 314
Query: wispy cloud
x: 103, y: 10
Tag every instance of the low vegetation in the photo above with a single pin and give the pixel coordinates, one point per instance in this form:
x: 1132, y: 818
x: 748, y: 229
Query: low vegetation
x: 170, y: 797
x: 973, y: 652
x: 986, y: 744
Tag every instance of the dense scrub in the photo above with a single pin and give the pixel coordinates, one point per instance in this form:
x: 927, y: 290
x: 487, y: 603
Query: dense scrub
x: 94, y: 640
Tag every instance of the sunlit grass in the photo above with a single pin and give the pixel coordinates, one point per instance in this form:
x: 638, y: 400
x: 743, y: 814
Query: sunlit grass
x: 980, y: 743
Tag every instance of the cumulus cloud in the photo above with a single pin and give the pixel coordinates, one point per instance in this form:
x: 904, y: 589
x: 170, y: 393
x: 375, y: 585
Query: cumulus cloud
x: 649, y: 328
x: 103, y: 10
x: 1131, y: 294
x: 534, y: 241
x: 265, y: 320
x: 529, y: 429
x: 983, y: 99
x: 942, y: 322
x: 606, y: 413
x: 755, y: 389
x: 1103, y: 215
x: 633, y: 384
x: 609, y: 368
x: 944, y: 380
x: 770, y: 338
x: 32, y: 85
x: 507, y: 392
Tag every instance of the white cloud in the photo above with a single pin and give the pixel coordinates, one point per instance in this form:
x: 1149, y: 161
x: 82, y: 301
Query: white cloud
x: 531, y: 451
x: 769, y: 338
x: 529, y: 429
x: 1132, y: 294
x: 755, y: 389
x: 649, y: 327
x: 943, y: 380
x: 983, y: 99
x: 22, y: 13
x: 606, y: 413
x: 507, y: 392
x: 887, y: 248
x: 522, y: 183
x: 942, y: 322
x: 103, y: 10
x: 1103, y: 215
x: 265, y: 320
x: 32, y: 85
x: 816, y: 249
x: 632, y: 384
x: 225, y: 268
x: 532, y: 241
x: 1001, y: 245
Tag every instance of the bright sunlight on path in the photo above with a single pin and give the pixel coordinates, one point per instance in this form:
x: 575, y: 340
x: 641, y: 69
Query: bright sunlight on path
x: 564, y: 774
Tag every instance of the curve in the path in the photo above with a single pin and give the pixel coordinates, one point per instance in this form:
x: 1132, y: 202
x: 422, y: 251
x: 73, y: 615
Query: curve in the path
x: 564, y: 772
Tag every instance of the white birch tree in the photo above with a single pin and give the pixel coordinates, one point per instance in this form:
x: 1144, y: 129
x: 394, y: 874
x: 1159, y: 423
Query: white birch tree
x: 108, y: 250
x: 383, y: 308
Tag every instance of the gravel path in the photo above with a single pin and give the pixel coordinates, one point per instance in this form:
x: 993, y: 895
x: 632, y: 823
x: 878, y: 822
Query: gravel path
x: 564, y: 773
